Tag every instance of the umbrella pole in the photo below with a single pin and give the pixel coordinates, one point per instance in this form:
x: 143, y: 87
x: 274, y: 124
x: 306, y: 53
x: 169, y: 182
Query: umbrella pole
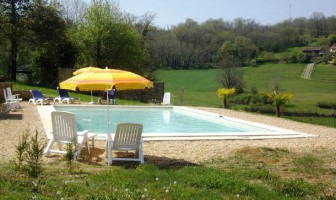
x: 109, y: 138
x: 108, y: 113
x: 91, y: 102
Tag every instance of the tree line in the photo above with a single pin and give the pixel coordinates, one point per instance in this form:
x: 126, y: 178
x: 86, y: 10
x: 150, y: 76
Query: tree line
x: 52, y: 34
x: 201, y: 45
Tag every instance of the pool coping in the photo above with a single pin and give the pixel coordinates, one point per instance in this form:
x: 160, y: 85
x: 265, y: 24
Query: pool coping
x: 281, y: 133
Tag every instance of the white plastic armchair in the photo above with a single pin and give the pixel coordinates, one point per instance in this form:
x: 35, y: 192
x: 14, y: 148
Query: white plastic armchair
x: 12, y: 103
x: 64, y: 131
x: 128, y: 137
x: 166, y: 99
x: 10, y: 95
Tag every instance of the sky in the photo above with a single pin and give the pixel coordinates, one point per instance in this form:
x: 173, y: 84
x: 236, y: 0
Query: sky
x: 266, y: 12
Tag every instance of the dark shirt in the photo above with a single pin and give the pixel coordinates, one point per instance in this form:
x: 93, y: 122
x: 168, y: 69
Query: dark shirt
x: 111, y: 93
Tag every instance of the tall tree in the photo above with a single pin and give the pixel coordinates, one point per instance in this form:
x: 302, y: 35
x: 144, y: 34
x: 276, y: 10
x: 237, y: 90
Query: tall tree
x: 107, y: 38
x: 230, y: 74
x: 73, y: 9
x: 317, y: 24
x: 246, y: 49
x: 14, y: 17
x: 51, y: 47
x: 143, y: 23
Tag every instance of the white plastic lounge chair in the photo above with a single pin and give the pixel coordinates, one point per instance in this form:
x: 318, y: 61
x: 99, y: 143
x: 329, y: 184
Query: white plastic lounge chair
x: 64, y: 131
x: 13, y: 104
x: 166, y: 98
x: 128, y: 137
x: 37, y: 97
x: 65, y: 97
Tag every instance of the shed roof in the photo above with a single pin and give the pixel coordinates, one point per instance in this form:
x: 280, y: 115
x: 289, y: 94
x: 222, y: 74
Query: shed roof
x: 310, y: 49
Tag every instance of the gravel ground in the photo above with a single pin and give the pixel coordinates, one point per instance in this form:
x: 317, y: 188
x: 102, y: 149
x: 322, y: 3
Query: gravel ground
x: 194, y: 152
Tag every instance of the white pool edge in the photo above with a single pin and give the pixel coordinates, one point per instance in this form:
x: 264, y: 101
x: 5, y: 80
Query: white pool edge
x: 280, y: 133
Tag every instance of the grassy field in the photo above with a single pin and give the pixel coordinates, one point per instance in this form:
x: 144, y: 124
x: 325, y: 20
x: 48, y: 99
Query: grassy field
x: 289, y: 52
x: 250, y: 173
x: 200, y: 85
x: 306, y: 93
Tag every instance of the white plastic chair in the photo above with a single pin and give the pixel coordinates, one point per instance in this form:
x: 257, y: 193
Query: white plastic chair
x: 10, y: 95
x: 128, y: 137
x: 12, y: 103
x: 64, y: 131
x: 166, y: 98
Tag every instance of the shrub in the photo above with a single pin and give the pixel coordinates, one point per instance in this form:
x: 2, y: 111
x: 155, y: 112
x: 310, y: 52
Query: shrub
x: 325, y: 58
x: 256, y: 99
x: 285, y: 57
x: 254, y: 90
x: 327, y: 105
x: 333, y: 61
x: 250, y: 98
x: 260, y: 109
x: 21, y: 148
x: 70, y: 154
x: 34, y: 159
x: 242, y: 99
x: 29, y: 154
x: 303, y: 58
x: 293, y: 59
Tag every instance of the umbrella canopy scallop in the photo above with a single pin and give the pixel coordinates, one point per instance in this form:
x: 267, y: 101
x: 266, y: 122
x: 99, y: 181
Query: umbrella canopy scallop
x: 106, y: 79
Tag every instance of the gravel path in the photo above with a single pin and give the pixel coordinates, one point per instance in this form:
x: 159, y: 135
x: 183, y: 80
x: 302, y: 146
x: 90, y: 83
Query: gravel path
x: 307, y: 72
x: 12, y: 126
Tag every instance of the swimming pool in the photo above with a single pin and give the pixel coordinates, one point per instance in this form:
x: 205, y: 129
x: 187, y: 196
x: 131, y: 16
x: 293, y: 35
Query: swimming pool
x: 173, y: 122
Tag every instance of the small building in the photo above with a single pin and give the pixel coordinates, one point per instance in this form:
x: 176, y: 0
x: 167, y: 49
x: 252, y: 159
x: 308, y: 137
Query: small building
x: 333, y: 48
x: 24, y: 73
x: 317, y: 51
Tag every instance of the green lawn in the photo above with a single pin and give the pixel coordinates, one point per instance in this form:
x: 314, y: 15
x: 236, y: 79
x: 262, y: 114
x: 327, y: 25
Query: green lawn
x: 249, y: 173
x: 200, y: 85
x: 288, y: 52
x: 306, y: 93
x: 315, y: 120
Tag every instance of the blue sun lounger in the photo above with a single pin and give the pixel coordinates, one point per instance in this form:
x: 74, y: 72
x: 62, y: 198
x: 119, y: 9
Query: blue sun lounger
x: 65, y: 97
x: 37, y: 97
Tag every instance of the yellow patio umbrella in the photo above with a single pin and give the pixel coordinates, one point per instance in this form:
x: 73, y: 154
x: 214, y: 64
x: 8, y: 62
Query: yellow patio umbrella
x: 106, y: 79
x: 86, y: 69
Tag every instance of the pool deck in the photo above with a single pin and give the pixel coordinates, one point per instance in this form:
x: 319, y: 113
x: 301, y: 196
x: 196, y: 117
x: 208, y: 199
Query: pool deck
x: 280, y: 133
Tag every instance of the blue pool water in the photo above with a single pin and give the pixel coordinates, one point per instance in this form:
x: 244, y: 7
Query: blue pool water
x: 156, y: 120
